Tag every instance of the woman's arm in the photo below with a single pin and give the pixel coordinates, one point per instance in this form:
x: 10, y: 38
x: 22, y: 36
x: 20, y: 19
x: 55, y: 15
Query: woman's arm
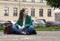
x: 30, y: 22
x: 17, y: 22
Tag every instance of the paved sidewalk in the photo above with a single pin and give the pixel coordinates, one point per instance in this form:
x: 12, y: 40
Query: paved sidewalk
x: 41, y: 36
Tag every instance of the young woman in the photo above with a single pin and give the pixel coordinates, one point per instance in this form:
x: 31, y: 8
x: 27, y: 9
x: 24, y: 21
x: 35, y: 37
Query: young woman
x: 24, y: 23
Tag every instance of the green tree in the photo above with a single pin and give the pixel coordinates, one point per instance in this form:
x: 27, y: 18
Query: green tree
x: 54, y: 3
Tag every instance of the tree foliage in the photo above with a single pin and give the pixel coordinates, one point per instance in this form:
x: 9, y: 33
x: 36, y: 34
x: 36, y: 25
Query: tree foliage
x: 54, y: 3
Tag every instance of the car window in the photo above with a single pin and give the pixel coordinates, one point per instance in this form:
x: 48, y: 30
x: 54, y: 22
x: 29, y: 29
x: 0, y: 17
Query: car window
x: 1, y: 21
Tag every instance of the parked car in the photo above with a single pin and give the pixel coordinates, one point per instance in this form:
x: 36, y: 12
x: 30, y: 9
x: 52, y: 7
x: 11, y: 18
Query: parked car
x: 8, y: 22
x: 39, y: 22
x: 1, y: 22
x: 58, y: 23
x: 12, y: 21
x: 50, y: 23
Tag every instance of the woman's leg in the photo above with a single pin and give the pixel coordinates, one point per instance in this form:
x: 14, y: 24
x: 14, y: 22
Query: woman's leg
x: 29, y: 29
x: 14, y: 27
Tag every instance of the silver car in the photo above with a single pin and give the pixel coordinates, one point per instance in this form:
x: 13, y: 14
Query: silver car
x: 1, y: 22
x: 13, y: 21
x: 39, y: 22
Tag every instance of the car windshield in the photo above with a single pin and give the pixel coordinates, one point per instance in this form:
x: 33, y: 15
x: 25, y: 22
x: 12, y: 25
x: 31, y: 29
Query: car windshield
x: 40, y: 21
x: 1, y: 21
x: 14, y: 20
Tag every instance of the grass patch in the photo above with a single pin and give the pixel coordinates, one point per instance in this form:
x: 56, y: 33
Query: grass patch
x: 42, y: 28
x: 1, y: 28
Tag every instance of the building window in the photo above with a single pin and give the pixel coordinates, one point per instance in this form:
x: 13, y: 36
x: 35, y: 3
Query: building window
x: 32, y: 0
x: 15, y: 0
x: 15, y: 11
x: 41, y: 1
x: 24, y: 0
x: 49, y: 12
x: 32, y: 12
x: 6, y: 11
x: 6, y: 0
x: 41, y: 12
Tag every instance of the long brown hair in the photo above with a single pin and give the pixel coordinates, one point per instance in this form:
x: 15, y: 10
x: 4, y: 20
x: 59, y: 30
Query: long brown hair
x: 21, y: 14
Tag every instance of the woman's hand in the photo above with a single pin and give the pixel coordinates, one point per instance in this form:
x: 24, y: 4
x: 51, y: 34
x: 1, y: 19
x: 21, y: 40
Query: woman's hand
x: 21, y: 27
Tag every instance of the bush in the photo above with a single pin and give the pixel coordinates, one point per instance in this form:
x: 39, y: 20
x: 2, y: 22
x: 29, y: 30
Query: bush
x: 1, y: 28
x: 42, y: 28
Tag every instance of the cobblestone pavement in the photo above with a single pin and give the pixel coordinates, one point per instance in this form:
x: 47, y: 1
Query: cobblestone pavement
x: 41, y: 36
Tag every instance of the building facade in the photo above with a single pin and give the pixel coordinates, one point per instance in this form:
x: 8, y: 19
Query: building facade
x: 38, y: 9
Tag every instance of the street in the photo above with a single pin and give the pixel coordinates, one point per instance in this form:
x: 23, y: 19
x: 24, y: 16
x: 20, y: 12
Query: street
x: 41, y: 36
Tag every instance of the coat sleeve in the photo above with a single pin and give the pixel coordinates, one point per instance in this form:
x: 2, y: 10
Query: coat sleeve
x: 29, y: 22
x: 17, y: 22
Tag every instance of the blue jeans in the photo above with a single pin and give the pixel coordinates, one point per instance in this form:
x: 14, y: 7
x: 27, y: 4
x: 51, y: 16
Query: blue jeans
x: 29, y: 29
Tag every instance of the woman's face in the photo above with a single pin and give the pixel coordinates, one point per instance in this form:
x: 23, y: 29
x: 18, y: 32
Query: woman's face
x: 26, y: 12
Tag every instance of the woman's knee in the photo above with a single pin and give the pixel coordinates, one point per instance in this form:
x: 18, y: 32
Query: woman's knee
x: 14, y: 27
x: 31, y: 26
